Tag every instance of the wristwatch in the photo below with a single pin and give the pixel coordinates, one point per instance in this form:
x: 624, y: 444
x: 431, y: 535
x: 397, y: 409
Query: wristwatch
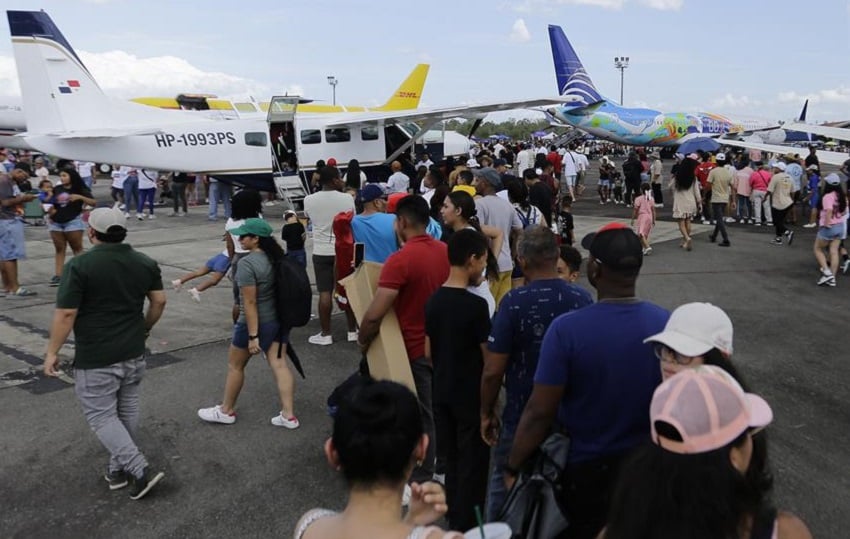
x: 253, y: 337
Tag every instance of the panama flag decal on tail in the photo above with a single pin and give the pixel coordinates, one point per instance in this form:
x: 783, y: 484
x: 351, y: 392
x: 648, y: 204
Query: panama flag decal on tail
x: 69, y: 86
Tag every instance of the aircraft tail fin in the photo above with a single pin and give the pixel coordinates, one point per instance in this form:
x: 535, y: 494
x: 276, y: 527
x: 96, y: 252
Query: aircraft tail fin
x: 59, y: 93
x: 802, y: 118
x: 408, y: 94
x: 569, y: 71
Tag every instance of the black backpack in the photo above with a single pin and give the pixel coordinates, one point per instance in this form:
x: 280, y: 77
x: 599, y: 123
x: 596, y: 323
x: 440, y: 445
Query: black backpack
x: 293, y: 294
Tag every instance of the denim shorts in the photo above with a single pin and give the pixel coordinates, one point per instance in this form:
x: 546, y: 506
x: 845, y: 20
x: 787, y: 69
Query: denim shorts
x: 219, y: 263
x: 74, y: 225
x: 269, y: 332
x: 12, y: 243
x: 830, y: 233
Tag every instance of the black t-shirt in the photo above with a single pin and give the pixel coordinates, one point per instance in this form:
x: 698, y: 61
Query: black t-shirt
x: 540, y: 195
x: 67, y: 210
x: 457, y: 323
x: 565, y: 222
x: 812, y: 160
x: 293, y: 235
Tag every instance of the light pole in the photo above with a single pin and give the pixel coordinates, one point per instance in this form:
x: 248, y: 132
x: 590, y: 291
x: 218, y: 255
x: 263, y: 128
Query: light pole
x: 333, y: 82
x: 621, y: 63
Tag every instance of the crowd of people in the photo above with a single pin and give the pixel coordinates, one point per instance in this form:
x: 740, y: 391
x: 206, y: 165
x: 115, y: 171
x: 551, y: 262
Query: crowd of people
x: 479, y: 268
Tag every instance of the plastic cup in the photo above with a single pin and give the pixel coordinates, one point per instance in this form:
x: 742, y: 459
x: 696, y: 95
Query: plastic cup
x: 492, y: 530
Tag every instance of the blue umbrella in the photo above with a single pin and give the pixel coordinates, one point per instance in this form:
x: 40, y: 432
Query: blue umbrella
x: 702, y: 143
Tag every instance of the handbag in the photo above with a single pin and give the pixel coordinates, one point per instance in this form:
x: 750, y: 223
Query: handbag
x: 534, y: 507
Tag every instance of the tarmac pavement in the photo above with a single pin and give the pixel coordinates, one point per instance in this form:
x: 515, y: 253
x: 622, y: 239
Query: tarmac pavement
x: 252, y: 479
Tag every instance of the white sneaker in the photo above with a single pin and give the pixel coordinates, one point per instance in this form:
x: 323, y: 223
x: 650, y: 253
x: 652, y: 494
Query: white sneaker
x: 287, y: 423
x: 140, y: 217
x: 810, y: 225
x: 121, y: 207
x: 659, y: 205
x: 321, y: 340
x: 352, y: 336
x: 176, y: 284
x: 151, y: 217
x: 195, y: 294
x: 647, y: 251
x: 215, y: 415
x: 126, y: 215
x: 729, y: 220
x: 826, y: 277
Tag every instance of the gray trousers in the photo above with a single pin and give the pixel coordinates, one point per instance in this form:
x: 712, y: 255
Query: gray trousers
x: 109, y: 397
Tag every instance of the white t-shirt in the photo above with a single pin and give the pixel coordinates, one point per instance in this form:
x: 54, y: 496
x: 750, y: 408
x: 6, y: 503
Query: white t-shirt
x: 363, y: 178
x: 321, y: 208
x: 84, y: 168
x: 147, y: 179
x: 569, y: 164
x: 118, y: 177
x: 427, y: 164
x: 398, y: 182
x: 42, y: 173
x: 498, y: 149
x: 582, y: 164
x: 233, y: 225
x: 523, y: 160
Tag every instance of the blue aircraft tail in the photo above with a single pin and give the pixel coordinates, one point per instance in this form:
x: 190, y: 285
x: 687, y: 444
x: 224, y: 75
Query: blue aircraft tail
x: 572, y: 78
x: 802, y: 117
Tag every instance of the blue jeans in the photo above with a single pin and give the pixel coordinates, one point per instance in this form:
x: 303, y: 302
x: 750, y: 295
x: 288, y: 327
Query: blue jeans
x: 109, y: 397
x: 743, y: 210
x: 146, y: 196
x: 497, y: 491
x: 131, y: 192
x: 299, y: 256
x: 223, y: 190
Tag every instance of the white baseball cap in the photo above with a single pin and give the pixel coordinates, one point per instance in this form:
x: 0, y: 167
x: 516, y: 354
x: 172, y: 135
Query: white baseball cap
x: 780, y: 165
x: 720, y: 157
x: 695, y: 328
x: 102, y: 219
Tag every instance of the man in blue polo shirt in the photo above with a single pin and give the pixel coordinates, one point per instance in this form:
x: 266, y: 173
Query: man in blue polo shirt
x: 594, y: 387
x: 374, y: 227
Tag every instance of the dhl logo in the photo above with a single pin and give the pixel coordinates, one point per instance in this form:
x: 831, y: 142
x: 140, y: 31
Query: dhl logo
x: 413, y: 95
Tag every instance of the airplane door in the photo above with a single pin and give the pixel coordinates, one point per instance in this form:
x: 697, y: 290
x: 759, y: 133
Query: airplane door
x: 284, y: 152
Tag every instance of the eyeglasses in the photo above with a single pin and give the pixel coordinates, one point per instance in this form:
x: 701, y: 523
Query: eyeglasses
x: 665, y: 353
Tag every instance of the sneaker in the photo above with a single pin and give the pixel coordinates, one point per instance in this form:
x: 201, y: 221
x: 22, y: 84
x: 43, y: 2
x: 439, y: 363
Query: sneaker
x: 825, y: 278
x: 647, y: 251
x: 724, y: 244
x: 183, y: 214
x: 845, y: 266
x: 140, y: 486
x: 287, y: 423
x: 729, y: 220
x: 116, y: 480
x: 176, y: 284
x: 54, y: 281
x: 769, y: 223
x: 140, y: 217
x: 352, y: 336
x: 21, y: 292
x: 215, y: 415
x: 126, y: 215
x: 776, y: 241
x: 831, y: 283
x: 321, y: 340
x: 705, y: 221
x: 151, y: 217
x: 628, y: 205
x: 195, y: 294
x: 810, y: 225
x: 269, y: 203
x: 122, y: 207
x: 757, y: 224
x: 659, y: 205
x: 601, y: 202
x: 790, y: 235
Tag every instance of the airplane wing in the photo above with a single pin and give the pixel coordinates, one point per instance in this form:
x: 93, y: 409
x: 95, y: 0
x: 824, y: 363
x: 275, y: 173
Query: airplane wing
x: 840, y: 133
x: 438, y: 114
x: 829, y: 158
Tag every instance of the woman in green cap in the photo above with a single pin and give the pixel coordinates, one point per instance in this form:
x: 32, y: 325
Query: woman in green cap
x: 257, y: 329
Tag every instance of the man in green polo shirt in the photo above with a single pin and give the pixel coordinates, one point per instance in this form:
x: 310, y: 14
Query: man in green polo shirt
x: 102, y: 297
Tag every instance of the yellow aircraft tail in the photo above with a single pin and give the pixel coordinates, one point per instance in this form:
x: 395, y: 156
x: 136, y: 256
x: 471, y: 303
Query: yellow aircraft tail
x: 407, y: 95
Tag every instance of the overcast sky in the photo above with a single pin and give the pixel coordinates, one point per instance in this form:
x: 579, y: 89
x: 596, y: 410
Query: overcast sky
x: 746, y: 57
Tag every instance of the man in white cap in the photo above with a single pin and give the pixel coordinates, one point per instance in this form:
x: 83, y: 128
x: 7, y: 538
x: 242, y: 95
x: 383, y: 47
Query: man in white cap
x: 781, y: 189
x: 101, y: 298
x: 720, y: 182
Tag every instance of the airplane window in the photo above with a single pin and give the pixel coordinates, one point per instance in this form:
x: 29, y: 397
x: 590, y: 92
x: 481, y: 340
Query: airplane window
x: 256, y: 139
x: 245, y: 107
x: 337, y: 134
x: 369, y: 132
x: 311, y: 136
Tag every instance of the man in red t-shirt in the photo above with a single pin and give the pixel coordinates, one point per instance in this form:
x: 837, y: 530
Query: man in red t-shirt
x: 409, y: 277
x: 703, y: 169
x: 555, y: 158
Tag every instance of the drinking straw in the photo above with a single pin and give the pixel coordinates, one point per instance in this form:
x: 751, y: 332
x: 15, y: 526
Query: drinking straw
x: 480, y: 521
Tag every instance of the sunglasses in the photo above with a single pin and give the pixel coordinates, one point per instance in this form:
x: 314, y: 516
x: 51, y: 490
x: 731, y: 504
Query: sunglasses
x: 665, y: 353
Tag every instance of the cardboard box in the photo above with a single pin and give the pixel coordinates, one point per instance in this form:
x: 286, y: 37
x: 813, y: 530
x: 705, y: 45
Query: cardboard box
x: 387, y: 357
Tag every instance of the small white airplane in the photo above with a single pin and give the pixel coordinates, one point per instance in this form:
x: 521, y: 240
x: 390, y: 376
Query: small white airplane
x: 69, y: 116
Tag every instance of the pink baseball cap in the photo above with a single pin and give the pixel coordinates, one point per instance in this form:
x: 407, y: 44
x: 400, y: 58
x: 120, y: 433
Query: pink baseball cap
x: 708, y: 409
